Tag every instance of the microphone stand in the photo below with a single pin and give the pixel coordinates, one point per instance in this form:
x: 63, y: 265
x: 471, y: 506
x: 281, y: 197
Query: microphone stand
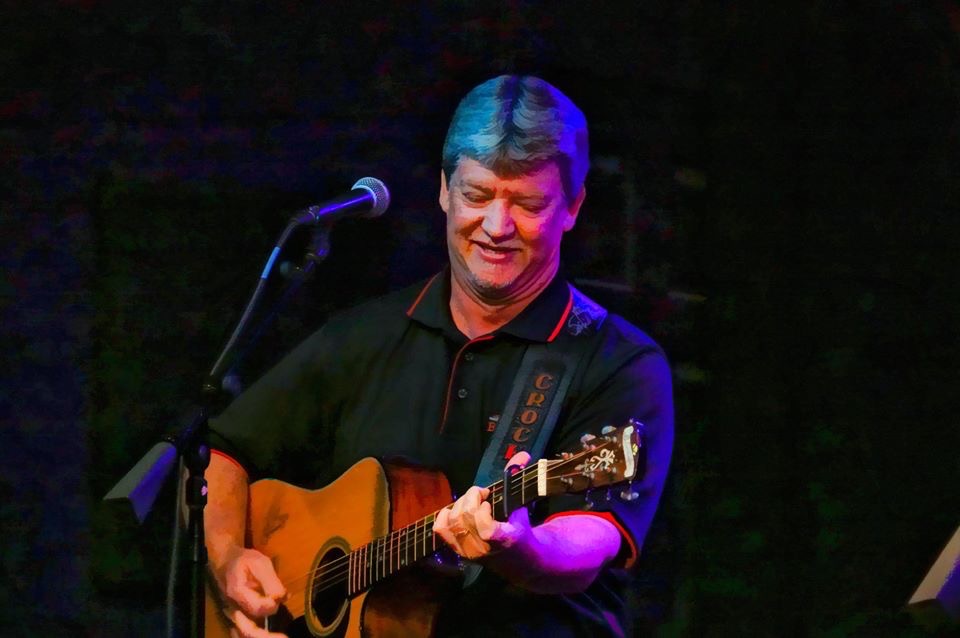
x: 317, y: 250
x: 190, y: 446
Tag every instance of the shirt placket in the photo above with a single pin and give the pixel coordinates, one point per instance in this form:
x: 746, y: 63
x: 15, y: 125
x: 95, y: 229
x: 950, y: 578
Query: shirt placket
x: 457, y: 390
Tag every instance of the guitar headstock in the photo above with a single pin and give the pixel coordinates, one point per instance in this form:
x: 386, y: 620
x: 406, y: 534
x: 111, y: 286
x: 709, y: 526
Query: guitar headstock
x: 618, y: 455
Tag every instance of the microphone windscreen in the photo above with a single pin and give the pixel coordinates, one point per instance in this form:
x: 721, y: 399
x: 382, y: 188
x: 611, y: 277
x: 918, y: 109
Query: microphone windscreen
x: 380, y: 193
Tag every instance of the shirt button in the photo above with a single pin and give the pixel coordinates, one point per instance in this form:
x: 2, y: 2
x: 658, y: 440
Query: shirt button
x: 462, y: 393
x: 468, y: 356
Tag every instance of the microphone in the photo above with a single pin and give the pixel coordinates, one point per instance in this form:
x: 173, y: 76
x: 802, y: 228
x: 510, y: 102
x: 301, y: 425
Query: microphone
x: 369, y: 197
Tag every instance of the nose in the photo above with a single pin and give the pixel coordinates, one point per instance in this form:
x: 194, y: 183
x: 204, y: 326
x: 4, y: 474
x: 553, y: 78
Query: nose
x: 497, y: 220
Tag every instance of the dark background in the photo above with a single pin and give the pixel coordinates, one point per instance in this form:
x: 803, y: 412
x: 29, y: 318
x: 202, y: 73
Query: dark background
x: 774, y: 197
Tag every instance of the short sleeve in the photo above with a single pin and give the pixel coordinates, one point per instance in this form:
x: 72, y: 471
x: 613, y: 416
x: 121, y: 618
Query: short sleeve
x: 280, y: 417
x: 640, y: 389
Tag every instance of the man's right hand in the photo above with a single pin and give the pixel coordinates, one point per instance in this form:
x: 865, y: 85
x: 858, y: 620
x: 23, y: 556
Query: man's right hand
x: 251, y: 590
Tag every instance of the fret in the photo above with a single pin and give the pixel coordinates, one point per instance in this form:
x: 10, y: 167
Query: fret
x: 422, y: 540
x: 396, y: 560
x: 416, y: 531
x: 371, y: 561
x: 396, y: 563
x: 507, y: 494
x: 389, y: 566
x: 350, y: 571
x: 382, y: 542
x: 416, y: 539
x: 523, y: 488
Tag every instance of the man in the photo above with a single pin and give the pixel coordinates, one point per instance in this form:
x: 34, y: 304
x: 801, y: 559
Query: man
x: 426, y: 372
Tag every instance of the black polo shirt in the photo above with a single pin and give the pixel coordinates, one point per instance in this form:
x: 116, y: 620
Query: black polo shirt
x: 395, y: 377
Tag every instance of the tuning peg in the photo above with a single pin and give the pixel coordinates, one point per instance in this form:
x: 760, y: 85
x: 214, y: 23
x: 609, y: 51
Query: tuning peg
x: 585, y: 440
x: 629, y: 494
x: 607, y: 429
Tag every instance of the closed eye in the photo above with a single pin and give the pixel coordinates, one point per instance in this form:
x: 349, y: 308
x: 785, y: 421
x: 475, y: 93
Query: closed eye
x: 475, y: 197
x: 532, y: 206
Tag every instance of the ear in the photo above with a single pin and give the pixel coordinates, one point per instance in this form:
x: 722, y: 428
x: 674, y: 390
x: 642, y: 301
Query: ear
x: 571, y: 219
x: 444, y: 193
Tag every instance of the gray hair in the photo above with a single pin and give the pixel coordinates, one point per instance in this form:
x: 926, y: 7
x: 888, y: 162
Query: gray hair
x: 514, y: 125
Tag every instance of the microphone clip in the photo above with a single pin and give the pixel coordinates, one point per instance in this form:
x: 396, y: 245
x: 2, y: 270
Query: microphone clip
x: 318, y: 249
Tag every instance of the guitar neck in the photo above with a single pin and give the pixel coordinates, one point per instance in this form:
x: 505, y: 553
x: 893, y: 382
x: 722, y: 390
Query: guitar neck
x: 611, y: 459
x: 387, y: 555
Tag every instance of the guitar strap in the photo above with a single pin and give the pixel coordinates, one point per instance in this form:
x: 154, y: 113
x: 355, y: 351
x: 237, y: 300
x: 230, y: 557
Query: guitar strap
x: 534, y: 404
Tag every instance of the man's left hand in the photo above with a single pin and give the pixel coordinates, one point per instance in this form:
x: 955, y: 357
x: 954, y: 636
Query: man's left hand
x: 468, y: 525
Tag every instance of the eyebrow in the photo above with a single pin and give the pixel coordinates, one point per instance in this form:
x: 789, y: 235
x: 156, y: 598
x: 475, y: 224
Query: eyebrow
x: 538, y: 199
x: 478, y: 187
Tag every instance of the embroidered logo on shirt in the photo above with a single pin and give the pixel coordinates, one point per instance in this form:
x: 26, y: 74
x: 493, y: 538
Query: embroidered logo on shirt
x: 585, y: 314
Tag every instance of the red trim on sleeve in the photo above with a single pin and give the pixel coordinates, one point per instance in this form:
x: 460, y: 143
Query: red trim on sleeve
x: 420, y: 296
x: 632, y: 554
x: 229, y: 458
x: 563, y: 319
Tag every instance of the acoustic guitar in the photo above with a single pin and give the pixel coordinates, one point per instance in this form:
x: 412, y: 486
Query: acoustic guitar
x: 342, y: 551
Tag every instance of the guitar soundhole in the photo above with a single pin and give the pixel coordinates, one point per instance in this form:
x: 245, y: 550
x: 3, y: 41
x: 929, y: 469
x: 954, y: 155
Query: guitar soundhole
x: 330, y: 587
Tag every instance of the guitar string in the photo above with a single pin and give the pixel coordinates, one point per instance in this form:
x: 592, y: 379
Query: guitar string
x: 337, y: 575
x: 335, y: 579
x: 403, y: 542
x: 324, y: 571
x: 419, y: 538
x: 328, y: 571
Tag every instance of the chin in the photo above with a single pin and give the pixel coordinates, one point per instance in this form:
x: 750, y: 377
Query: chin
x: 491, y: 287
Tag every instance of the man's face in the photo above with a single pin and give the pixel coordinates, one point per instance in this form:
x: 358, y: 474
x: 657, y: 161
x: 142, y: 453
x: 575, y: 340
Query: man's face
x: 503, y: 234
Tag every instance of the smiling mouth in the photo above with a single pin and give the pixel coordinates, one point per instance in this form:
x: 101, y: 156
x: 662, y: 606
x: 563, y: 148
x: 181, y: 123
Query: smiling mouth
x: 496, y: 250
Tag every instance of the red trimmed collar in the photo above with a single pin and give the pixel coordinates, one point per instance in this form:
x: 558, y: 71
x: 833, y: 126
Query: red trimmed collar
x: 541, y: 321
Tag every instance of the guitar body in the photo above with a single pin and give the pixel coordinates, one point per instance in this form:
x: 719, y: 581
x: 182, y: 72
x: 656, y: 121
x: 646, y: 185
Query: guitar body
x: 306, y: 531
